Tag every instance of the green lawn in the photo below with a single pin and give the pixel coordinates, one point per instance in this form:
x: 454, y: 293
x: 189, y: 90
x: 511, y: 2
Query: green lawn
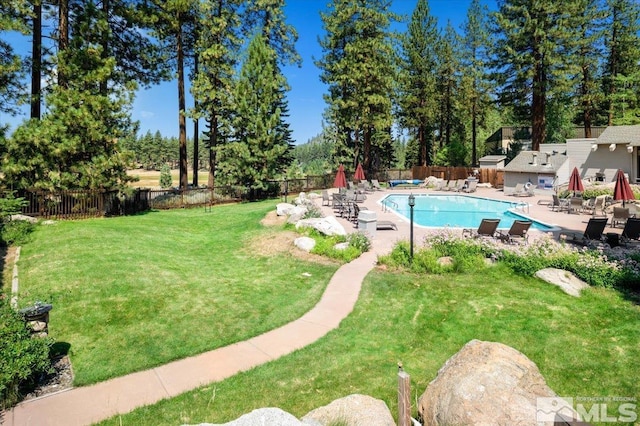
x: 130, y: 293
x: 586, y: 347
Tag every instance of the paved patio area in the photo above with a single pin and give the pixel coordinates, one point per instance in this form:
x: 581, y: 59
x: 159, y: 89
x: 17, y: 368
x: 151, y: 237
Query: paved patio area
x: 384, y: 240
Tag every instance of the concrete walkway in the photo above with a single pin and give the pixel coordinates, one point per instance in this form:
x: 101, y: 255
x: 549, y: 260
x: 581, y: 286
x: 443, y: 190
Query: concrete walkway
x: 90, y: 404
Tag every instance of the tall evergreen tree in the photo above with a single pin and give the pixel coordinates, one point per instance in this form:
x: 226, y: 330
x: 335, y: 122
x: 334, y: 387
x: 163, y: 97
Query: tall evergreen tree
x: 621, y: 84
x: 256, y: 154
x: 218, y: 43
x: 475, y: 47
x: 358, y: 67
x: 418, y: 97
x: 448, y: 83
x: 588, y: 50
x: 174, y: 22
x: 530, y: 51
x: 13, y: 15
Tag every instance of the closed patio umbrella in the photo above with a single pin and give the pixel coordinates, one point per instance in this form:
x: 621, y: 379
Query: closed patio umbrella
x: 622, y: 191
x: 340, y: 180
x: 359, y: 173
x: 575, y: 183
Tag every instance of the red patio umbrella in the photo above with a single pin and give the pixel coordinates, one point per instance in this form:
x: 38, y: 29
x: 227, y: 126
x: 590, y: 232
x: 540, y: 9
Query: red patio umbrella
x: 575, y: 183
x: 622, y: 190
x: 340, y: 180
x: 359, y: 173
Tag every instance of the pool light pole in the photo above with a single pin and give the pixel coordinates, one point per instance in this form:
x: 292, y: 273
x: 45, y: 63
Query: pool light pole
x: 412, y: 203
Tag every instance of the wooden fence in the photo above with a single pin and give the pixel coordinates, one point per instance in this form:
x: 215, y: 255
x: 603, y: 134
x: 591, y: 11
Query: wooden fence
x: 85, y: 204
x: 493, y: 176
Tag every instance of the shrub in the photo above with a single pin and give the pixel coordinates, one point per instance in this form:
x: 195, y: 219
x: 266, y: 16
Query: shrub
x: 23, y: 358
x: 15, y: 232
x: 313, y: 211
x: 360, y: 241
x: 165, y: 177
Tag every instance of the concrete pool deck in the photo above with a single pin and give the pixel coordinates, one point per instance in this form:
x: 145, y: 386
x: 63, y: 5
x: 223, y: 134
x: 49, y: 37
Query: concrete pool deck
x: 384, y: 240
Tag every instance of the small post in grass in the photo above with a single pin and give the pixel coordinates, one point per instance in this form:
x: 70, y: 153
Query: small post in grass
x: 404, y: 397
x: 412, y: 203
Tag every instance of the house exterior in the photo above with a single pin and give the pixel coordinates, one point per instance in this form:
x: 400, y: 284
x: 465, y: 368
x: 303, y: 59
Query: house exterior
x: 542, y: 169
x: 502, y: 137
x: 492, y: 162
x: 597, y: 159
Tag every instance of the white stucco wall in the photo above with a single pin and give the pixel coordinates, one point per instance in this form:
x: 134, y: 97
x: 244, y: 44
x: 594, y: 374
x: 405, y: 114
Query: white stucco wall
x: 602, y: 160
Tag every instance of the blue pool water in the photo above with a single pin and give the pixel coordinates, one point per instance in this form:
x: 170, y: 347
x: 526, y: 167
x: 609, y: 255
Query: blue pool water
x: 458, y: 211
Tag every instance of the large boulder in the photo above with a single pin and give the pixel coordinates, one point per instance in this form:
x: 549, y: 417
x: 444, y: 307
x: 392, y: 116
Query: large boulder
x: 262, y: 416
x: 297, y: 213
x: 566, y: 280
x: 326, y: 225
x: 305, y: 243
x: 284, y: 209
x: 487, y: 383
x: 352, y: 410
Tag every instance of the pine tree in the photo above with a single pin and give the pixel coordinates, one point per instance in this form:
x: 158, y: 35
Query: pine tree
x: 13, y: 14
x: 621, y: 81
x: 447, y: 84
x: 475, y: 47
x: 418, y: 97
x: 531, y: 52
x: 358, y: 67
x: 256, y: 154
x: 218, y: 42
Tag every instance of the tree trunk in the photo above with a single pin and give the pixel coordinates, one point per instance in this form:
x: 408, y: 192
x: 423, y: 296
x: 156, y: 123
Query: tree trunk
x: 366, y: 154
x: 196, y: 154
x: 182, y: 104
x: 105, y: 45
x: 36, y: 61
x: 538, y: 120
x: 213, y: 143
x: 423, y: 145
x: 63, y: 37
x: 474, y: 130
x: 586, y: 103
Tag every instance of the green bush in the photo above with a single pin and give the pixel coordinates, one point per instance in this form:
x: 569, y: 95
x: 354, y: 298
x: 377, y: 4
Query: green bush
x: 23, y: 358
x: 165, y: 177
x: 313, y: 211
x: 15, y: 232
x: 359, y: 241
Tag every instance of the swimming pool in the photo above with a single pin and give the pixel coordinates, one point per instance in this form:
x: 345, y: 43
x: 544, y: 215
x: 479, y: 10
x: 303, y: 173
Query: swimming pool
x: 458, y: 211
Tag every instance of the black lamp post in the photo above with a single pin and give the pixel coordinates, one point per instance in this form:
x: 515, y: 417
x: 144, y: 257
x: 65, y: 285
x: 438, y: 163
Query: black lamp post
x: 412, y: 203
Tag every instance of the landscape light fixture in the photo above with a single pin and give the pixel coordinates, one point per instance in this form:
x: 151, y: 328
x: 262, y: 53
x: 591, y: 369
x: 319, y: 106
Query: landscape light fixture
x: 412, y: 203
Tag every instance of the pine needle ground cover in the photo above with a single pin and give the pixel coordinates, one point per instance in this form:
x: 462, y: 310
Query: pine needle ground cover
x: 130, y: 293
x: 584, y: 347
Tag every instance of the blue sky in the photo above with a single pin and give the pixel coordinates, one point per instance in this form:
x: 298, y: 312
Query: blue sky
x: 157, y: 108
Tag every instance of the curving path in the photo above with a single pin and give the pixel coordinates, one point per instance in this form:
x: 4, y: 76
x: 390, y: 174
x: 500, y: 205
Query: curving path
x: 90, y: 404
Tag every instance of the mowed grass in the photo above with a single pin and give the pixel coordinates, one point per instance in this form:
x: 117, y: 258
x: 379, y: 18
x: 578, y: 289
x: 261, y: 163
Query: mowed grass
x: 130, y: 293
x: 586, y: 347
x: 151, y: 178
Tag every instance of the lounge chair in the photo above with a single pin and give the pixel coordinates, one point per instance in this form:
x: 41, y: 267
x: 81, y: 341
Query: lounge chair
x: 487, y: 228
x: 575, y: 204
x: 620, y: 216
x: 326, y: 201
x: 459, y: 185
x: 559, y: 204
x: 517, y: 232
x: 376, y: 185
x: 592, y: 233
x: 451, y: 185
x: 386, y: 224
x: 471, y: 187
x: 523, y: 190
x: 631, y: 231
